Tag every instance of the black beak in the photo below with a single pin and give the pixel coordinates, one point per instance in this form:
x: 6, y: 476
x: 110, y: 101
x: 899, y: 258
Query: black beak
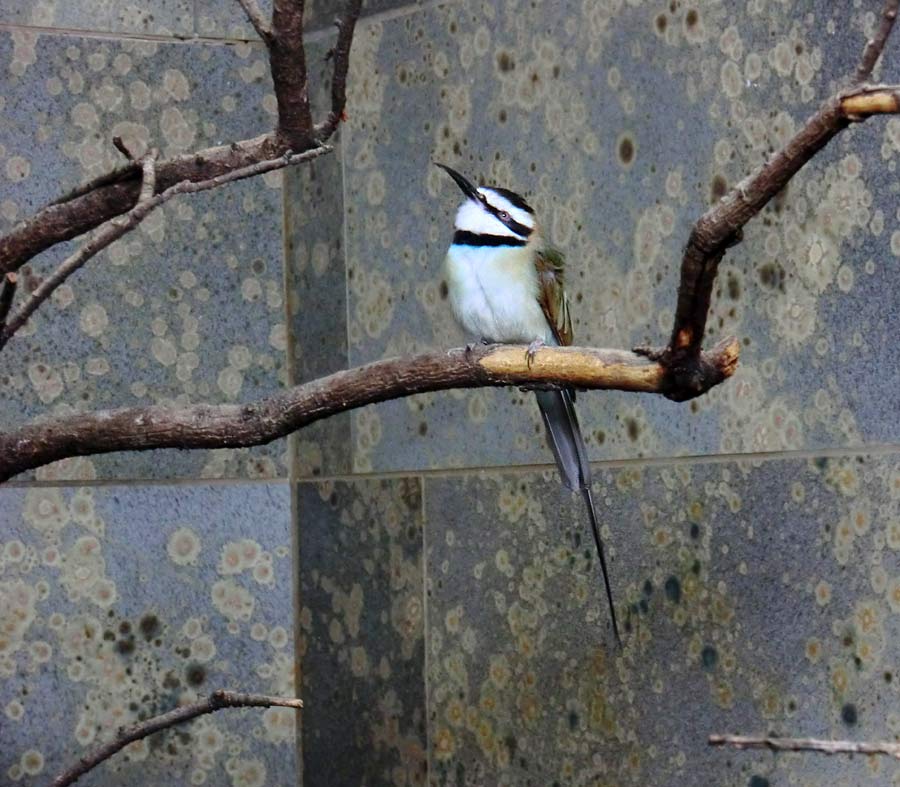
x: 467, y: 188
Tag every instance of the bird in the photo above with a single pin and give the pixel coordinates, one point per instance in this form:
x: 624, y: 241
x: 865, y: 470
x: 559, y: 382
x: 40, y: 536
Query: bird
x: 506, y: 284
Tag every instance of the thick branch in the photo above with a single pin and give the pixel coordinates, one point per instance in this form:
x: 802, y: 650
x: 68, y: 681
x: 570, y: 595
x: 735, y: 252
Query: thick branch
x: 341, y: 56
x: 875, y: 45
x: 806, y: 744
x: 216, y: 701
x: 230, y: 426
x: 720, y: 227
x: 287, y: 60
x: 117, y: 227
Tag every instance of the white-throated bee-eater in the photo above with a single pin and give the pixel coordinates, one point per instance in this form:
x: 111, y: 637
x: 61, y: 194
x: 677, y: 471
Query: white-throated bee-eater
x: 506, y: 284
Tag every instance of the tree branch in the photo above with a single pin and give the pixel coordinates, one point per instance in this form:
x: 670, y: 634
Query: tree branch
x: 216, y: 701
x: 341, y: 56
x: 287, y: 60
x: 806, y: 744
x: 255, y: 17
x: 117, y: 227
x: 231, y: 426
x: 88, y: 206
x: 721, y: 226
x: 875, y: 45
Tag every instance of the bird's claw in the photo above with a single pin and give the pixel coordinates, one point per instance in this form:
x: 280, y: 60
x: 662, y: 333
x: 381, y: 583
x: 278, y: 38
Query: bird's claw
x: 532, y: 351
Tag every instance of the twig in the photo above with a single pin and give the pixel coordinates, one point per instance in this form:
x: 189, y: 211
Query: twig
x: 7, y: 293
x: 120, y: 225
x: 119, y: 144
x: 806, y: 744
x: 232, y: 426
x: 216, y: 701
x: 341, y: 55
x: 255, y: 17
x: 875, y: 45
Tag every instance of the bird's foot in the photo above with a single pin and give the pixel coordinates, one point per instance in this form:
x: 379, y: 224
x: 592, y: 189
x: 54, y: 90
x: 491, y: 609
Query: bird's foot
x: 532, y: 351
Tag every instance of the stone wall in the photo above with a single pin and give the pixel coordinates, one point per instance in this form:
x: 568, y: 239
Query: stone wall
x: 418, y: 559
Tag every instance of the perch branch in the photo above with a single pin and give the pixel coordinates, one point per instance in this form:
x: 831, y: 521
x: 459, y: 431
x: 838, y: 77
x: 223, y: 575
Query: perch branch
x: 875, y: 45
x: 806, y: 744
x: 341, y: 56
x: 231, y: 426
x: 255, y: 17
x: 216, y: 701
x: 116, y: 227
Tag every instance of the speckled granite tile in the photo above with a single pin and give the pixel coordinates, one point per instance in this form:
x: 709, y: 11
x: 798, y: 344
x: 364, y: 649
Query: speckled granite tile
x: 361, y: 633
x: 622, y: 122
x: 190, y: 307
x: 116, y: 603
x: 223, y: 19
x: 317, y: 298
x: 756, y: 598
x: 161, y: 17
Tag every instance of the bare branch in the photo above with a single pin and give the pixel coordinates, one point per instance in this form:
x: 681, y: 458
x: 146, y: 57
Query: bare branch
x: 341, y: 56
x: 231, y: 426
x: 86, y: 207
x: 255, y: 17
x: 119, y: 144
x: 806, y: 744
x: 7, y: 293
x: 287, y: 60
x: 721, y: 226
x: 875, y: 45
x: 120, y: 225
x: 216, y: 701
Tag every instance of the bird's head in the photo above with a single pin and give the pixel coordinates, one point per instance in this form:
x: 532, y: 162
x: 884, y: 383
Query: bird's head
x: 498, y: 216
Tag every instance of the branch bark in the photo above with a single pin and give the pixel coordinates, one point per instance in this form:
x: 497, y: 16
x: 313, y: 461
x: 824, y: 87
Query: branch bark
x: 806, y: 744
x: 120, y: 225
x: 216, y: 701
x: 287, y: 60
x: 255, y: 423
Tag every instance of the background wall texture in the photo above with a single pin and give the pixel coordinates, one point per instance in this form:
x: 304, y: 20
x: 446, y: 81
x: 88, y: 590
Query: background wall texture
x: 414, y: 569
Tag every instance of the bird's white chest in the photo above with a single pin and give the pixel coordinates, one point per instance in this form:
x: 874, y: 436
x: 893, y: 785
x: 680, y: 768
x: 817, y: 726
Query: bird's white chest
x: 494, y: 293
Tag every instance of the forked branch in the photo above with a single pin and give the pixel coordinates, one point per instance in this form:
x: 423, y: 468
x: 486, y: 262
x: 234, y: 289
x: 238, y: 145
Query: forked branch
x: 116, y: 192
x: 116, y: 227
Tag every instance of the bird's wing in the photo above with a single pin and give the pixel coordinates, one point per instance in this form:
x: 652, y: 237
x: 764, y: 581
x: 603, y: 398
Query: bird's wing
x: 550, y: 266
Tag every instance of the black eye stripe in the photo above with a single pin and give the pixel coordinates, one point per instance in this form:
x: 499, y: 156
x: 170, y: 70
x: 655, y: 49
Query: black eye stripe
x: 509, y: 221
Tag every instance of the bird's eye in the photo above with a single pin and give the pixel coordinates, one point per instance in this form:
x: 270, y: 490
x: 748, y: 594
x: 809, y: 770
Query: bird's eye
x: 503, y: 215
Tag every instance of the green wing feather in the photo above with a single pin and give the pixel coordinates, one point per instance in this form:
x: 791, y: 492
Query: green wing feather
x: 550, y: 265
